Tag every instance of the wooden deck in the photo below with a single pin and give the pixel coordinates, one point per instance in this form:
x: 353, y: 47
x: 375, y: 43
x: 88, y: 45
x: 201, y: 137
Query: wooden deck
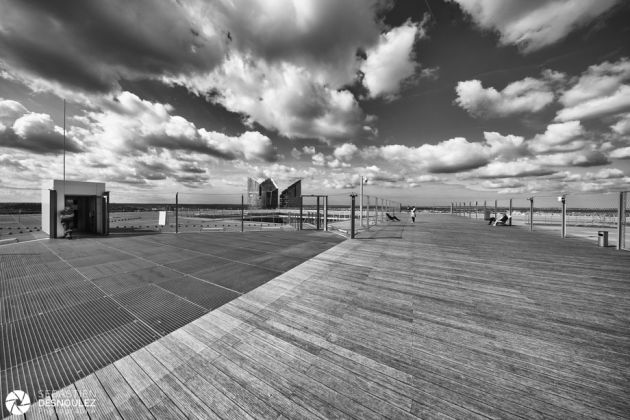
x: 445, y: 318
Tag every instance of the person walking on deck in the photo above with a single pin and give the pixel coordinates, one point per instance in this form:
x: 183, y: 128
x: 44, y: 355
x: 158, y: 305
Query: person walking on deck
x: 412, y: 214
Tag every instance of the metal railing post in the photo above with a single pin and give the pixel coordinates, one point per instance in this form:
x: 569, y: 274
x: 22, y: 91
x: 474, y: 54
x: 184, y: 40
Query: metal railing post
x: 564, y: 216
x: 301, y: 212
x: 242, y: 213
x: 317, y: 215
x: 361, y: 204
x: 531, y: 214
x: 52, y: 216
x: 621, y: 221
x: 176, y: 212
x: 352, y: 205
x: 510, y: 219
x: 326, y: 213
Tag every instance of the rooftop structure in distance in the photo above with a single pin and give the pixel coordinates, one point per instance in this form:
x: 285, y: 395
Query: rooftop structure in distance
x: 290, y: 197
x: 262, y: 194
x: 87, y: 200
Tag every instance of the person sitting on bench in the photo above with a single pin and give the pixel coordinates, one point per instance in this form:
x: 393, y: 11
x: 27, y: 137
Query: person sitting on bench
x: 500, y: 221
x: 390, y: 217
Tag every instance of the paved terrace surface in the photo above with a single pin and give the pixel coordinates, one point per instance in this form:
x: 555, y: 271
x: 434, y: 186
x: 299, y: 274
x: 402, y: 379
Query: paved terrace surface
x: 69, y: 308
x: 446, y: 318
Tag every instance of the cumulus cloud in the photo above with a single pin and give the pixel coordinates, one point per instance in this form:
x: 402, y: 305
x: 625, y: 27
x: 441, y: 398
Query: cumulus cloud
x: 561, y: 137
x: 91, y: 46
x: 523, y: 96
x: 449, y: 156
x: 585, y: 158
x: 31, y: 131
x: 345, y: 152
x: 620, y: 153
x: 321, y: 35
x: 11, y: 110
x: 391, y: 61
x: 601, y: 90
x: 622, y: 126
x: 513, y: 169
x: 532, y: 25
x: 505, y: 147
x: 281, y: 97
x: 133, y: 125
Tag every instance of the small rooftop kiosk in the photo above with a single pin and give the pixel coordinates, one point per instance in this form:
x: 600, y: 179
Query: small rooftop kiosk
x: 89, y: 201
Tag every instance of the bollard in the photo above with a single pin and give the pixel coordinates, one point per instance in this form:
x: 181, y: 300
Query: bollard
x: 602, y: 238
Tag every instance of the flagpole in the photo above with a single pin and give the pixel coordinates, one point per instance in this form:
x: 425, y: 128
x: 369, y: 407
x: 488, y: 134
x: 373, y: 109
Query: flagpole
x: 64, y: 142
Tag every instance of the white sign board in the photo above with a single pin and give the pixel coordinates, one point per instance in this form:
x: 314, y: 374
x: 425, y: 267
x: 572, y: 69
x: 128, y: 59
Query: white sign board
x: 162, y: 218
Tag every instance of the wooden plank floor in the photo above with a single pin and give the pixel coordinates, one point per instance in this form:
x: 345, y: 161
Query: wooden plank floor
x: 444, y: 318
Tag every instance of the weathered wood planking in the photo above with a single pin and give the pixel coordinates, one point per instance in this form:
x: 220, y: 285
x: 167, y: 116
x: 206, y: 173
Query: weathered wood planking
x: 445, y: 318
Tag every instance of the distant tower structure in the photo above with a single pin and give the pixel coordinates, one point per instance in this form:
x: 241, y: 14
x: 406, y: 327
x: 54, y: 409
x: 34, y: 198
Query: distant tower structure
x: 263, y: 194
x: 290, y: 197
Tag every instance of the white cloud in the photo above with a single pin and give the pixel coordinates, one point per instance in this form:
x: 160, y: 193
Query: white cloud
x: 250, y: 145
x: 320, y: 35
x: 513, y: 169
x: 32, y: 131
x: 318, y: 159
x: 296, y: 154
x: 532, y: 25
x: 391, y: 61
x: 561, y: 137
x: 309, y: 150
x: 599, y: 91
x: 622, y: 126
x: 11, y: 110
x: 136, y: 126
x: 523, y: 96
x: 605, y: 173
x: 449, y: 156
x: 598, y: 80
x: 281, y: 97
x: 118, y: 43
x: 616, y: 102
x: 508, y: 147
x: 345, y: 152
x: 588, y: 156
x: 621, y: 153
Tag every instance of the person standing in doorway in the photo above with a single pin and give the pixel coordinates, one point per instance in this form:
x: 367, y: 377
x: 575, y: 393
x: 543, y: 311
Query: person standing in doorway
x: 67, y: 221
x: 412, y: 213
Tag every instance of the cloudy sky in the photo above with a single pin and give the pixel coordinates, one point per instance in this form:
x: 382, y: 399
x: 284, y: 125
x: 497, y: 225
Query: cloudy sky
x: 432, y: 100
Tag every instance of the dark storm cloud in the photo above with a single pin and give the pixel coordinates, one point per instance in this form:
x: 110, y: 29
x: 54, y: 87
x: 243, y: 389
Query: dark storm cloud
x: 90, y: 45
x: 328, y: 33
x: 15, y: 164
x: 36, y: 141
x: 590, y: 158
x: 188, y: 144
x: 192, y: 169
x: 153, y: 171
x: 191, y: 180
x: 452, y: 168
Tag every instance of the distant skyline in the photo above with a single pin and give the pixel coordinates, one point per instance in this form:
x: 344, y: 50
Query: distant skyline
x: 433, y: 101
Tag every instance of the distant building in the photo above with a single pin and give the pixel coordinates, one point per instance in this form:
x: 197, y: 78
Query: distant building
x: 262, y: 195
x: 290, y: 197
